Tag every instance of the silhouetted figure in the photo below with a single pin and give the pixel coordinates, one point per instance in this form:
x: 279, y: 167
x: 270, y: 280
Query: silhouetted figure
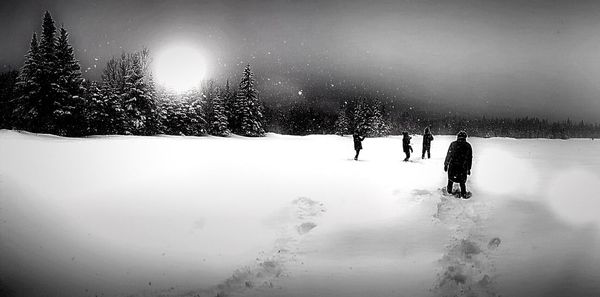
x: 357, y: 143
x: 427, y: 138
x: 406, y: 147
x: 458, y: 163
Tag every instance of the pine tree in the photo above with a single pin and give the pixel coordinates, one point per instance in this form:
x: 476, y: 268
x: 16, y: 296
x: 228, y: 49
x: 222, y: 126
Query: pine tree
x: 128, y: 88
x: 48, y: 78
x: 173, y: 116
x: 8, y: 93
x: 247, y: 118
x: 111, y: 95
x: 98, y: 118
x: 138, y: 102
x: 218, y: 121
x: 182, y: 115
x: 360, y: 117
x: 196, y: 117
x: 152, y: 118
x: 342, y: 124
x: 69, y: 108
x: 28, y: 87
x: 207, y: 93
x: 376, y: 124
x: 229, y: 100
x: 68, y: 67
x: 50, y: 85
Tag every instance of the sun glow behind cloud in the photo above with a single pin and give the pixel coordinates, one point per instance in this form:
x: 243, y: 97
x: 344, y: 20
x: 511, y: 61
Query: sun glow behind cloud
x: 180, y: 67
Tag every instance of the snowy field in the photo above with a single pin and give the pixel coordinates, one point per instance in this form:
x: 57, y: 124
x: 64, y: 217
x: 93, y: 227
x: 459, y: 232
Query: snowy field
x: 295, y: 216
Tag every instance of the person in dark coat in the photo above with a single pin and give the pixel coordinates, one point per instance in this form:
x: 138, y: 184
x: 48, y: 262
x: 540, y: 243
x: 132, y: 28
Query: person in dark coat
x: 357, y: 143
x: 458, y: 163
x: 406, y: 147
x: 427, y: 138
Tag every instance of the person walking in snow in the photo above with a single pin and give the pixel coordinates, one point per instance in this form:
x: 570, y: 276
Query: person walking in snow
x: 427, y: 138
x: 406, y: 147
x: 357, y: 142
x: 458, y: 163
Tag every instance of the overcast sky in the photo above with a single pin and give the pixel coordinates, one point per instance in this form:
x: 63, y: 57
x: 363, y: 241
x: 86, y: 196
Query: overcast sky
x: 494, y: 57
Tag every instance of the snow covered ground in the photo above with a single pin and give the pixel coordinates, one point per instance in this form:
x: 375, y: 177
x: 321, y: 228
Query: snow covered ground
x: 294, y: 216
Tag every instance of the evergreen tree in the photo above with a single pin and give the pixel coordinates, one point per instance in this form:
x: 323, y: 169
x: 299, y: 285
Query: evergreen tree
x: 50, y: 85
x: 208, y: 91
x: 196, y: 124
x: 173, y: 116
x: 182, y: 115
x: 218, y: 121
x: 375, y: 122
x: 115, y: 112
x: 152, y: 118
x: 48, y: 79
x: 229, y: 101
x: 360, y: 117
x: 69, y: 106
x: 138, y: 101
x: 8, y: 81
x: 247, y: 118
x: 96, y: 111
x: 342, y: 124
x: 69, y: 70
x: 111, y: 96
x: 28, y: 87
x: 128, y: 89
x: 103, y: 111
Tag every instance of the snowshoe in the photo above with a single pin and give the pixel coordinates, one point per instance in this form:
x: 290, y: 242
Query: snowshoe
x: 445, y: 192
x: 455, y: 193
x: 465, y: 196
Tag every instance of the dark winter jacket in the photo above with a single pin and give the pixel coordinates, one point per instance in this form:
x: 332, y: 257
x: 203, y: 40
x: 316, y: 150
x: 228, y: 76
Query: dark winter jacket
x: 406, y: 143
x: 358, y: 141
x: 458, y: 160
x: 427, y: 138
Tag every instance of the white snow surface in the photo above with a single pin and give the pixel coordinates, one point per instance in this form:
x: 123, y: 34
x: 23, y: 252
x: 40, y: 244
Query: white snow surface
x: 295, y: 216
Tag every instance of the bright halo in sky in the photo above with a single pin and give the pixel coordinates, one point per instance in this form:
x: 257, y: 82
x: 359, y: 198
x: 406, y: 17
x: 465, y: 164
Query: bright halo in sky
x: 179, y: 68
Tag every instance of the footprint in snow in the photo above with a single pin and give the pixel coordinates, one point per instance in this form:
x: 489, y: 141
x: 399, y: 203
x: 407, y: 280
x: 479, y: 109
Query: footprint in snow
x: 269, y: 267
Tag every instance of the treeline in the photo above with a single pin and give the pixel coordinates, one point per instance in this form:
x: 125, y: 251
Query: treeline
x: 49, y: 95
x: 518, y: 128
x: 526, y: 127
x: 305, y: 117
x: 364, y: 116
x: 379, y: 118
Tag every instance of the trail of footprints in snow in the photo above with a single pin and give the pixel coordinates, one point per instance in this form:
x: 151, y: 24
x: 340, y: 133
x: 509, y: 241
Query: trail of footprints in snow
x: 466, y: 268
x: 270, y: 267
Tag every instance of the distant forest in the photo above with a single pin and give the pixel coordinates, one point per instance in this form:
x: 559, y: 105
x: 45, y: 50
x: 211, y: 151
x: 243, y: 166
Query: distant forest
x: 309, y: 117
x: 49, y: 95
